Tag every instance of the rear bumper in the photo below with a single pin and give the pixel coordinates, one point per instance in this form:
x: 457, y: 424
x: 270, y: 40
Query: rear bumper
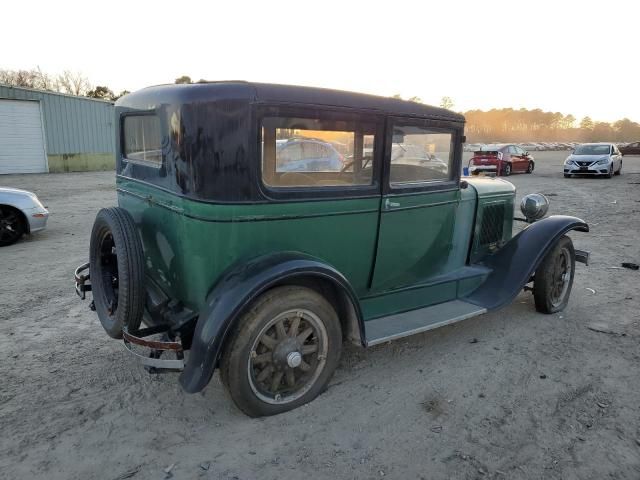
x: 134, y: 343
x: 483, y: 168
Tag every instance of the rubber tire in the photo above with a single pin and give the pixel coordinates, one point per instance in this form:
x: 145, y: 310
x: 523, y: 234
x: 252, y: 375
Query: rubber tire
x: 233, y: 365
x: 131, y: 290
x: 619, y: 170
x: 610, y: 174
x: 567, y: 175
x: 22, y: 228
x: 506, y: 170
x: 530, y: 168
x: 542, y: 283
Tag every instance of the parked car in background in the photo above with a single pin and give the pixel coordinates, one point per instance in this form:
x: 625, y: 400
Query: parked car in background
x: 630, y: 149
x: 530, y: 147
x: 501, y: 159
x: 594, y: 159
x: 472, y: 147
x: 20, y: 213
x: 307, y: 154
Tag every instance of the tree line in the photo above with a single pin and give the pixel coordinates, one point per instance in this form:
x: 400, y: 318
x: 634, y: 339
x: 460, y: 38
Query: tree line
x: 510, y: 125
x: 523, y: 125
x: 68, y: 82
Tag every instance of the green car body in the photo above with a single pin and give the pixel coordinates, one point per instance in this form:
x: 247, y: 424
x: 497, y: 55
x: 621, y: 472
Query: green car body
x: 395, y: 239
x: 189, y: 245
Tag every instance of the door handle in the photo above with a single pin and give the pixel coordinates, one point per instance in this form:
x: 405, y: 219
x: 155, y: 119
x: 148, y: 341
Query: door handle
x: 389, y: 204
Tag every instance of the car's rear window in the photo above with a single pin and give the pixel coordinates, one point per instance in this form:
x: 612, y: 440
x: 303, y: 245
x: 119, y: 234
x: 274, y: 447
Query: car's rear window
x: 141, y: 140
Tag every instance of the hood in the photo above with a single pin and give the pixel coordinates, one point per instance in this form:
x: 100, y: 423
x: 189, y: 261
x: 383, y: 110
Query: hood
x: 489, y: 186
x: 587, y: 158
x: 16, y: 191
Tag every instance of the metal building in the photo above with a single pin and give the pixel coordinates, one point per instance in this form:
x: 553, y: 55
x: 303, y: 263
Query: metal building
x: 52, y: 132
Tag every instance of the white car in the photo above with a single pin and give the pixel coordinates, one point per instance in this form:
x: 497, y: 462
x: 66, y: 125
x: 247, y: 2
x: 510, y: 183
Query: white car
x: 594, y: 159
x: 20, y: 213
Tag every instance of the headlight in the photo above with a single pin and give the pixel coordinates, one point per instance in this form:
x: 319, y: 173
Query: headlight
x: 603, y: 161
x: 534, y: 206
x: 568, y: 161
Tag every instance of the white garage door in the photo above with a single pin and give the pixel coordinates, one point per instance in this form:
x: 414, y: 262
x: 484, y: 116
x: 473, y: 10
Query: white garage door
x: 21, y: 139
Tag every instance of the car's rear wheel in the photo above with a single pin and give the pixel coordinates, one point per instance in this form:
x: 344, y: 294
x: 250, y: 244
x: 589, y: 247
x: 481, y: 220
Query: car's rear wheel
x: 506, y: 170
x: 554, y: 277
x: 283, y: 353
x: 117, y: 271
x: 12, y: 225
x: 619, y: 171
x: 530, y: 167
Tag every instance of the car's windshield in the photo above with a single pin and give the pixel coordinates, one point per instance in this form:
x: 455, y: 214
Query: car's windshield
x: 592, y: 150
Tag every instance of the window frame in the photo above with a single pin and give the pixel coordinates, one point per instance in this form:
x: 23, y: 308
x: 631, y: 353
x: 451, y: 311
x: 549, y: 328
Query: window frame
x: 123, y: 155
x: 435, y: 126
x: 320, y: 192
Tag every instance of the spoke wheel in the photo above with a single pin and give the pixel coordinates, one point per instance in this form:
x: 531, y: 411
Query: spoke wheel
x: 283, y: 351
x: 561, y: 276
x: 554, y: 277
x: 287, y: 356
x: 506, y: 171
x: 11, y: 226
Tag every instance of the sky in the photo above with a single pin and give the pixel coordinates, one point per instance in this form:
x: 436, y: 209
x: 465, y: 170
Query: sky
x: 578, y: 57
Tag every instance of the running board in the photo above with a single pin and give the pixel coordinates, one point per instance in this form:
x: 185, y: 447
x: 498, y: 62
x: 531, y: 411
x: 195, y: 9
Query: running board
x: 400, y: 325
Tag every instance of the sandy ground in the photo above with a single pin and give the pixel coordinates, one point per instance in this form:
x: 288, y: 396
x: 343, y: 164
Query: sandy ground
x: 512, y: 394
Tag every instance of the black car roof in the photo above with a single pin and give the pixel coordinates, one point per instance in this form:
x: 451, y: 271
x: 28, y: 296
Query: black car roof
x: 283, y: 94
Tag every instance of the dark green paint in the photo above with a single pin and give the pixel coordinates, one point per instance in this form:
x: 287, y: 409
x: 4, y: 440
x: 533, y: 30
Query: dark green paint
x: 421, y: 243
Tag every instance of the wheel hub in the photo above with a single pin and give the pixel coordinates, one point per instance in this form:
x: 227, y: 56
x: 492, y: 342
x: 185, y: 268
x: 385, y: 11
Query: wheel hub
x: 294, y: 359
x: 287, y: 353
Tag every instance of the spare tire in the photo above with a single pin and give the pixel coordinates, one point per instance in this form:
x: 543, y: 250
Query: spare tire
x: 116, y: 266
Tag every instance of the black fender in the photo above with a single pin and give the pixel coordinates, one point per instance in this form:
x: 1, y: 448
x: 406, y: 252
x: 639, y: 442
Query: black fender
x: 515, y: 263
x: 237, y: 288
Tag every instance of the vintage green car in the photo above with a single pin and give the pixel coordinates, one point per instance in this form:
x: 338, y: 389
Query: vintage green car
x: 260, y: 225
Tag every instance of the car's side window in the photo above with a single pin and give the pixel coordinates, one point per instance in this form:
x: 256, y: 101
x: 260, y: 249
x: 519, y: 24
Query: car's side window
x: 513, y: 150
x: 519, y: 151
x: 420, y: 155
x: 312, y: 152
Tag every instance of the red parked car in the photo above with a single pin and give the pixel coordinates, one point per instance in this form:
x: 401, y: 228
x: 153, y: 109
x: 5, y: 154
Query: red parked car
x: 502, y: 159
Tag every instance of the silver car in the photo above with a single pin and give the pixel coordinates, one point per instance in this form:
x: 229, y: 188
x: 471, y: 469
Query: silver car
x: 594, y: 159
x: 20, y: 213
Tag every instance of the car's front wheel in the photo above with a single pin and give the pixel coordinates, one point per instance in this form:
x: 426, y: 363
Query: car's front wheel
x: 554, y: 277
x: 283, y: 353
x: 530, y: 167
x: 609, y: 174
x: 12, y: 225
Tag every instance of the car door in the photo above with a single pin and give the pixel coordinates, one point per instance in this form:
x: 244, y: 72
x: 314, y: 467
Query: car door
x: 420, y: 197
x: 614, y: 158
x: 618, y: 157
x: 523, y: 158
x: 510, y: 154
